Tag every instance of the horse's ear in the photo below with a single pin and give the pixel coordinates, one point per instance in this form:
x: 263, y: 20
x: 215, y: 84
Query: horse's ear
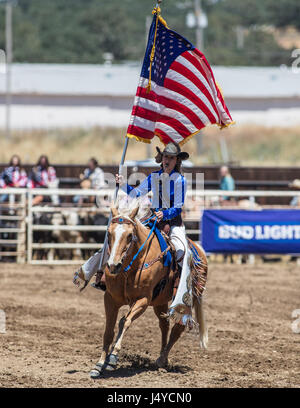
x: 114, y: 211
x: 134, y: 212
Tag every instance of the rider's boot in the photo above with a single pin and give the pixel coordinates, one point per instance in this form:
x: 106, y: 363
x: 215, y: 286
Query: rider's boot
x: 100, y: 281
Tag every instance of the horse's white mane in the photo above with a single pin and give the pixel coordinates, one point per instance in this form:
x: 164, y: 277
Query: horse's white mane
x: 125, y: 205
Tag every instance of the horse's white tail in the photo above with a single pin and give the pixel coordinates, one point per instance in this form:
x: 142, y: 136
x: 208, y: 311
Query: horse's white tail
x: 199, y: 312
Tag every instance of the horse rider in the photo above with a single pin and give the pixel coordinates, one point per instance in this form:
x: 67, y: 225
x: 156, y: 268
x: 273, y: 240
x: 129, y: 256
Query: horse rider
x: 168, y: 186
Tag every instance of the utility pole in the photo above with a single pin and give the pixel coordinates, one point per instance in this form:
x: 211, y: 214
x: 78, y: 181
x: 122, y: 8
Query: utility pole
x: 9, y: 57
x: 199, y: 26
x: 200, y: 46
x: 240, y: 37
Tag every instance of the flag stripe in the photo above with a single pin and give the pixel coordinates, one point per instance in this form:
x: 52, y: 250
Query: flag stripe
x: 182, y: 90
x: 188, y: 71
x: 168, y: 133
x: 177, y: 102
x: 148, y: 104
x: 180, y: 107
x: 194, y: 59
x: 185, y: 82
x: 222, y: 108
x: 175, y: 124
x: 178, y: 97
x: 143, y: 111
x: 144, y: 123
x: 140, y: 132
x: 175, y: 114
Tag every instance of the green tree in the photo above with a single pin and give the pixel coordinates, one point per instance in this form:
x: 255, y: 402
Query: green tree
x: 81, y: 31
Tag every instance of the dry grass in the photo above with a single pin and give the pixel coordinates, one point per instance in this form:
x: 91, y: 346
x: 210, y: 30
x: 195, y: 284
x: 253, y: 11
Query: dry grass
x: 248, y: 145
x: 258, y: 145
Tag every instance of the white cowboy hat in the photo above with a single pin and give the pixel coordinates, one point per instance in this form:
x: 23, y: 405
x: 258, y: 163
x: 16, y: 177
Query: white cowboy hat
x: 171, y: 149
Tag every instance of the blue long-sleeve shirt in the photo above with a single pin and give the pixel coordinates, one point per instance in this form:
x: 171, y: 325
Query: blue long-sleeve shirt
x: 168, y: 192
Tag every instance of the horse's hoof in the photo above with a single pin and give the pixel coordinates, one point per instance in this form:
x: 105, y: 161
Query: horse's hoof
x: 161, y: 362
x: 96, y: 371
x: 109, y: 367
x: 112, y: 360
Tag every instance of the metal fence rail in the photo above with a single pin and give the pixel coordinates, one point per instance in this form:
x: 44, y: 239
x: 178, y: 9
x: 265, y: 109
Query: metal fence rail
x: 17, y: 219
x: 66, y: 209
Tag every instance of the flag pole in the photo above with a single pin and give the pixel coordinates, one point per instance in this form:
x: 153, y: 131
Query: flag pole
x: 158, y: 2
x: 115, y: 198
x: 104, y: 247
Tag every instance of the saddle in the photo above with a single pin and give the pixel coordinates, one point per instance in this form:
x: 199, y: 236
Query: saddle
x: 163, y: 233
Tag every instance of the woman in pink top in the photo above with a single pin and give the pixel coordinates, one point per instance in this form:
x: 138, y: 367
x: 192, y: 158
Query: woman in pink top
x: 13, y: 176
x: 42, y: 176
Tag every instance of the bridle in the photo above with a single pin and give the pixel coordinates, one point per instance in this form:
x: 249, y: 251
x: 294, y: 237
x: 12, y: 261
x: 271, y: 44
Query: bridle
x: 126, y: 220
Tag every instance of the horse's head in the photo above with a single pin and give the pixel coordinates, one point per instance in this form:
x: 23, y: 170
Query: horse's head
x: 121, y: 236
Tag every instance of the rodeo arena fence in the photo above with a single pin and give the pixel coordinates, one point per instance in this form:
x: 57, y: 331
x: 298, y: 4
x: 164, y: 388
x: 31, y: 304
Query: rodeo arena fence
x: 61, y: 232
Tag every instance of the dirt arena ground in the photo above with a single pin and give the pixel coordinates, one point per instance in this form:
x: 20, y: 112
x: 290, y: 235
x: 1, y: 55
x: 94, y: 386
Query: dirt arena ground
x: 54, y: 333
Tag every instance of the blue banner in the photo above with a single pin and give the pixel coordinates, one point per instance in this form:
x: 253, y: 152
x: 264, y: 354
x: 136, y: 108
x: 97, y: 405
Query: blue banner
x: 251, y: 232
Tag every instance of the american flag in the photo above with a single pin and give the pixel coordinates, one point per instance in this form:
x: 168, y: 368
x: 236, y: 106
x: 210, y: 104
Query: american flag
x: 184, y: 96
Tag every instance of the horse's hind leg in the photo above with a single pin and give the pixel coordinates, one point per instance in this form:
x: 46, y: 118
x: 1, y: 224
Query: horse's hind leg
x: 135, y: 311
x: 176, y: 332
x: 111, y: 312
x: 164, y: 324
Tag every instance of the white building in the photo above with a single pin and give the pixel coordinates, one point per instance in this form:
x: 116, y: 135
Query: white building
x: 50, y: 95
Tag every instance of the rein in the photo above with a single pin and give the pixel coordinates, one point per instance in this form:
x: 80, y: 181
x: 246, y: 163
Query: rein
x: 122, y: 220
x: 142, y: 246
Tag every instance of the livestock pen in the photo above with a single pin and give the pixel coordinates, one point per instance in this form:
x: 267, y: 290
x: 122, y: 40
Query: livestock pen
x: 66, y: 233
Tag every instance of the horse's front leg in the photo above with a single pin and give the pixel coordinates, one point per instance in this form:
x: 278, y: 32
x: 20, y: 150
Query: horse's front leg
x: 111, y: 312
x: 135, y: 311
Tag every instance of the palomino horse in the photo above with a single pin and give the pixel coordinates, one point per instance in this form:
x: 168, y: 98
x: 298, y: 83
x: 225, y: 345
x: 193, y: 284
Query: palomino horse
x: 136, y: 287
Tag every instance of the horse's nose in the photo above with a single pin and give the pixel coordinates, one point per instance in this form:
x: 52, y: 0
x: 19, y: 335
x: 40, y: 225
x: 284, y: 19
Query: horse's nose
x: 114, y: 269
